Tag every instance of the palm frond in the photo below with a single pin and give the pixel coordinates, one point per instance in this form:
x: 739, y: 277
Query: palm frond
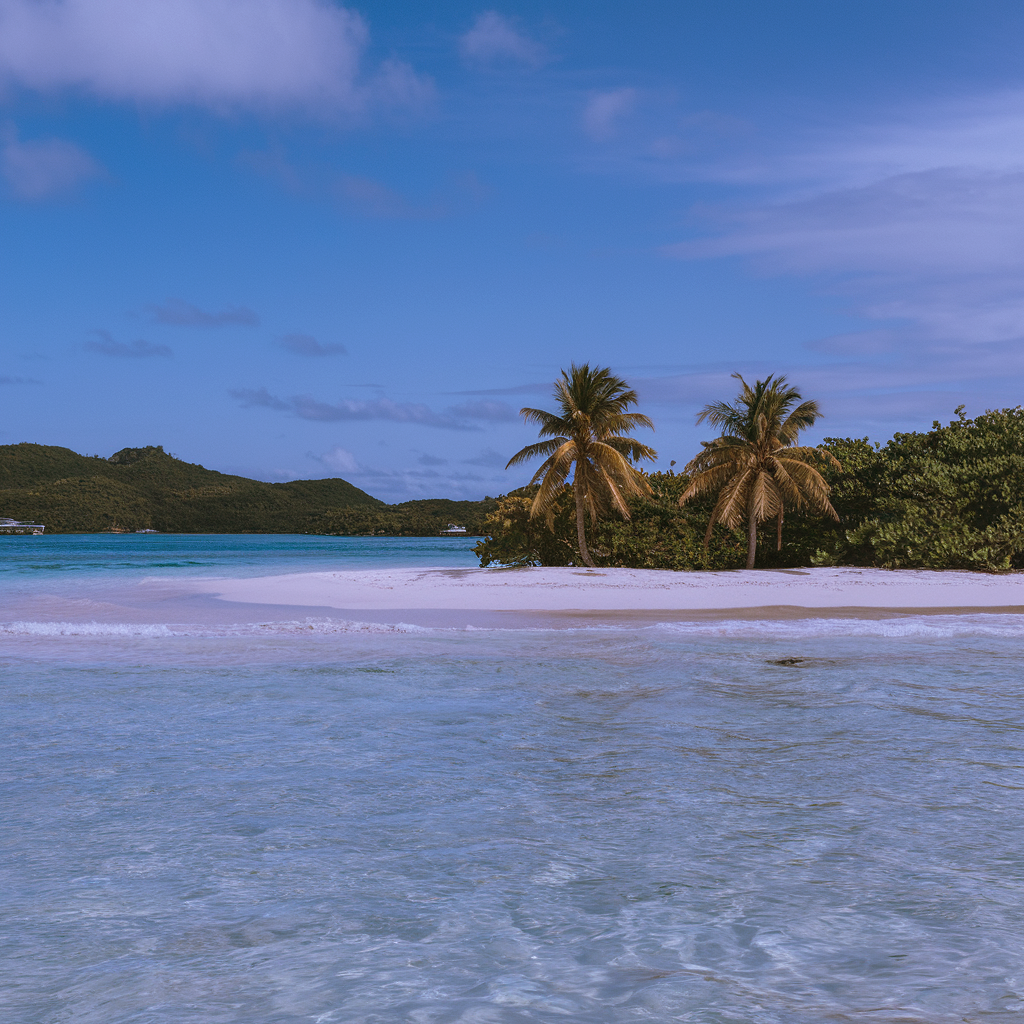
x: 730, y: 509
x: 631, y: 448
x: 713, y: 479
x: 531, y: 451
x: 549, y: 423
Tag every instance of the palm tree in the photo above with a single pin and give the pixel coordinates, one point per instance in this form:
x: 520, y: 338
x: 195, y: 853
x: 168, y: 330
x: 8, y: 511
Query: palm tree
x: 589, y: 437
x: 755, y: 467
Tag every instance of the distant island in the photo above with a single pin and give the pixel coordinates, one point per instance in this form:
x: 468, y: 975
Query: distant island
x: 139, y: 489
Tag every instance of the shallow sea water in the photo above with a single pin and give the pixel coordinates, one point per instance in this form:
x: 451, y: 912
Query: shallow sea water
x: 331, y: 821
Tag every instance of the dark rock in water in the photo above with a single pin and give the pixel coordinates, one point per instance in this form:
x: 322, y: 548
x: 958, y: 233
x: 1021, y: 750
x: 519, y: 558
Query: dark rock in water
x: 789, y: 661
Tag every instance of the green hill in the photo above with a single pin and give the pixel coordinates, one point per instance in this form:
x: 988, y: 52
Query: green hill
x: 145, y: 488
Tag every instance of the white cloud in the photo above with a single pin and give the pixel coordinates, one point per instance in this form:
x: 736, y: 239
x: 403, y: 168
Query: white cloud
x: 224, y: 54
x: 495, y: 39
x: 44, y: 168
x: 604, y: 111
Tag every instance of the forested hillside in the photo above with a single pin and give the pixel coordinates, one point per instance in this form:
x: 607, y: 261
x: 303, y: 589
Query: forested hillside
x: 145, y: 488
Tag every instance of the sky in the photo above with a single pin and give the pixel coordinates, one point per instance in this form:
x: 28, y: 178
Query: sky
x: 294, y: 239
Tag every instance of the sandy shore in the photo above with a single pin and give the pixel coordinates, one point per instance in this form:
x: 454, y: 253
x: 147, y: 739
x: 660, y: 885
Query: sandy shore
x: 629, y: 590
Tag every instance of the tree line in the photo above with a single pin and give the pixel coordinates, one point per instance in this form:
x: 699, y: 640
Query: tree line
x: 949, y: 498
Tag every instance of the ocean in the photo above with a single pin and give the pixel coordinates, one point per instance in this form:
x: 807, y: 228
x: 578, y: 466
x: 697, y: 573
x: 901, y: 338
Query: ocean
x: 247, y: 815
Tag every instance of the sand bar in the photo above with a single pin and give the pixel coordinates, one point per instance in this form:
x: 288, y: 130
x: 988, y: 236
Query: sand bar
x: 628, y: 590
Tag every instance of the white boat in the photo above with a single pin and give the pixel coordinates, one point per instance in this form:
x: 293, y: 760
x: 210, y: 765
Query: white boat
x: 455, y: 531
x: 13, y: 526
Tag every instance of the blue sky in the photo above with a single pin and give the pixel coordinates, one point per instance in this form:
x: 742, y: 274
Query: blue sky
x: 292, y: 239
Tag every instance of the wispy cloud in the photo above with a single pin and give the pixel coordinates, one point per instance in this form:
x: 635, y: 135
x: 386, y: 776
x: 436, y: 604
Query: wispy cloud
x: 183, y: 314
x: 307, y: 407
x: 877, y: 385
x: 604, y: 111
x: 372, y: 198
x: 484, y: 409
x: 307, y: 345
x: 219, y: 54
x: 18, y: 380
x: 488, y: 459
x: 107, y: 346
x: 41, y: 169
x: 361, y: 195
x: 918, y: 221
x: 541, y: 387
x: 495, y: 39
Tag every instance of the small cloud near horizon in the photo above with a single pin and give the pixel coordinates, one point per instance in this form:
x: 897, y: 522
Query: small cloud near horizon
x: 338, y: 459
x: 404, y: 484
x: 107, y: 346
x: 177, y: 313
x: 307, y: 345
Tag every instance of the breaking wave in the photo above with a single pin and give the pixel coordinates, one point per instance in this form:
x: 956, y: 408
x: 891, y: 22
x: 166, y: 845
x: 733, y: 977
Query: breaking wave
x: 159, y: 630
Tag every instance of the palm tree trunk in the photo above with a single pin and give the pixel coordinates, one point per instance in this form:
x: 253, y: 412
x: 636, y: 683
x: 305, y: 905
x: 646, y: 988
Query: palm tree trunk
x: 778, y: 530
x: 581, y: 535
x: 751, y: 538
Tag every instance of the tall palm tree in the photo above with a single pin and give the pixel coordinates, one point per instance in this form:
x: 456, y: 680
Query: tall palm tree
x: 755, y: 467
x: 589, y: 437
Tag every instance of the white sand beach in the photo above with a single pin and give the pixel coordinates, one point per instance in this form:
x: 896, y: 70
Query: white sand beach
x: 630, y: 590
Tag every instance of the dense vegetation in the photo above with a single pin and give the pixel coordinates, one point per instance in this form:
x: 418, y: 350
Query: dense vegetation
x: 145, y: 488
x: 948, y: 498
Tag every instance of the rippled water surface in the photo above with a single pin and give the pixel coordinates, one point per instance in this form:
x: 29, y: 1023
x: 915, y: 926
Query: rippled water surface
x: 734, y: 822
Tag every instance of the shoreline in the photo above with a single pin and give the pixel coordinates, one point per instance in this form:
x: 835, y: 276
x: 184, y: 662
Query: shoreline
x: 622, y: 593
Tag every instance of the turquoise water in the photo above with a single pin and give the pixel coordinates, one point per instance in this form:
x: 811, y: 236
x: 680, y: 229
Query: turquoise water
x: 317, y: 820
x: 131, y: 556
